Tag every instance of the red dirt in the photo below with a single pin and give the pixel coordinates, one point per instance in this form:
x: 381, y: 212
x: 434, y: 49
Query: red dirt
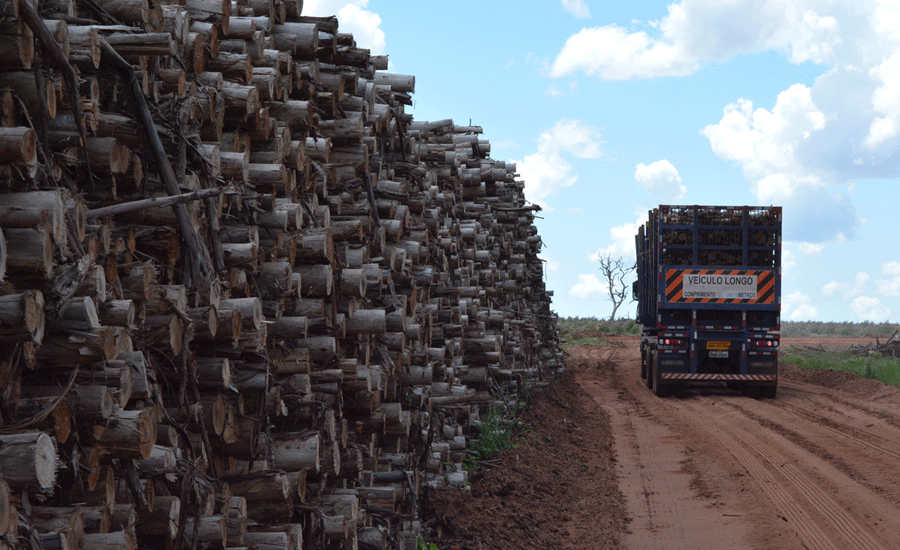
x: 605, y: 464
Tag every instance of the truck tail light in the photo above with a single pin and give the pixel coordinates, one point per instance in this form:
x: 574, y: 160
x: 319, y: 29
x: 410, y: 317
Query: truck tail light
x: 672, y: 342
x: 765, y: 343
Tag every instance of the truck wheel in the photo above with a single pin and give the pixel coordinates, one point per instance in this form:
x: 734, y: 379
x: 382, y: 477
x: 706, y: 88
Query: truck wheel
x: 643, y: 362
x: 648, y: 369
x: 769, y: 392
x: 659, y: 388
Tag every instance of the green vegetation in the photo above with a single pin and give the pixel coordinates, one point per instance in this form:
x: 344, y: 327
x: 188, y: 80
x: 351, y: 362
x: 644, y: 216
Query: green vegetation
x: 579, y: 330
x: 422, y: 545
x: 498, y: 431
x: 576, y: 330
x: 875, y: 366
x: 821, y: 329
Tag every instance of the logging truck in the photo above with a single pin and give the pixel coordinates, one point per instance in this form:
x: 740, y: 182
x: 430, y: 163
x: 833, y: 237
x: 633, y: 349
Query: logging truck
x: 709, y: 297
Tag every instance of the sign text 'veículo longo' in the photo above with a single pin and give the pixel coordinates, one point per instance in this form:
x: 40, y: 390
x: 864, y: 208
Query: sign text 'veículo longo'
x: 722, y: 286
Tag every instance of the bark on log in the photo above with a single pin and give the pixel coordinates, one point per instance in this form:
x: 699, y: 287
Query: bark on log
x: 28, y: 461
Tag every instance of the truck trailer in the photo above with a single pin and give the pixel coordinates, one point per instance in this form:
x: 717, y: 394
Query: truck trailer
x: 708, y: 291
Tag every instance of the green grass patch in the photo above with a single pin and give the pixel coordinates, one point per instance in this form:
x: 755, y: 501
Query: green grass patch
x: 498, y: 430
x: 422, y: 545
x: 593, y: 331
x: 874, y: 366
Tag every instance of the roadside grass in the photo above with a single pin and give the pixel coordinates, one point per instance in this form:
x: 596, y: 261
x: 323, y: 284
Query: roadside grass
x: 498, y: 430
x: 593, y: 331
x: 875, y: 366
x: 580, y: 330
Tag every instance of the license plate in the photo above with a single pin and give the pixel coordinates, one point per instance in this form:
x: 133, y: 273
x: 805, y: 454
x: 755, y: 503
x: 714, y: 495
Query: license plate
x: 719, y: 354
x: 718, y: 344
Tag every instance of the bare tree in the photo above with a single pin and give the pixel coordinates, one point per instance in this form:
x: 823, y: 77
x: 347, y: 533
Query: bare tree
x: 615, y: 270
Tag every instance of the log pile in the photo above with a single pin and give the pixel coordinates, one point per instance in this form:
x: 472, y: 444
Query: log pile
x: 246, y: 300
x: 888, y: 348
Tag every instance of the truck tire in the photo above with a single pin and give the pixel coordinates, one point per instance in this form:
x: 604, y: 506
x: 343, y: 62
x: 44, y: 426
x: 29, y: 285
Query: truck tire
x: 648, y: 369
x: 659, y: 388
x: 643, y: 362
x: 769, y: 392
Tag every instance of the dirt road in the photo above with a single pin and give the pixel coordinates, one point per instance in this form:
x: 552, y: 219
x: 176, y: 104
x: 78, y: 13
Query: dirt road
x: 609, y: 465
x: 816, y: 468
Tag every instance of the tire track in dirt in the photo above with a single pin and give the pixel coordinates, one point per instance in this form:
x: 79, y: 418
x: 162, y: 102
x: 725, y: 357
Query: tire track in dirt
x: 807, y: 506
x: 668, y: 496
x: 818, y: 468
x: 873, y: 441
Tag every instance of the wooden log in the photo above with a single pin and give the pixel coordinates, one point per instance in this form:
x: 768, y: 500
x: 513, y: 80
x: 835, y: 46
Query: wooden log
x: 24, y: 86
x: 365, y: 322
x: 127, y: 434
x: 213, y: 372
x: 93, y: 402
x: 84, y: 46
x: 18, y: 145
x: 29, y: 252
x: 164, y: 332
x: 22, y: 316
x: 16, y: 44
x: 297, y: 114
x: 162, y: 520
x: 28, y: 461
x: 121, y: 313
x: 217, y: 12
x: 208, y: 530
x: 268, y: 541
x: 61, y: 520
x: 250, y: 310
x: 118, y: 540
x: 289, y: 327
x: 301, y: 39
x: 353, y: 282
x: 79, y: 314
x: 321, y: 348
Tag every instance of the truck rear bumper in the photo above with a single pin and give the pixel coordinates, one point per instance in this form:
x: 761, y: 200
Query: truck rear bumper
x: 719, y: 377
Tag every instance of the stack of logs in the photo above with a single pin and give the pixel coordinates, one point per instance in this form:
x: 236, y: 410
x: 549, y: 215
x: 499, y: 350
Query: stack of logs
x: 246, y: 300
x: 888, y: 348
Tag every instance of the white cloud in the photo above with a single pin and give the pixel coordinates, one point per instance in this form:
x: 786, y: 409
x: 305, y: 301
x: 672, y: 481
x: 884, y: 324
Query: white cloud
x: 699, y: 31
x: 810, y: 248
x: 577, y: 8
x: 788, y: 261
x: 889, y: 287
x: 844, y: 127
x: 661, y: 180
x: 797, y: 306
x: 547, y: 170
x: 549, y: 263
x: 763, y: 142
x: 891, y: 268
x: 553, y: 91
x: 835, y: 287
x: 622, y: 246
x: 613, y: 53
x: 588, y: 286
x: 766, y: 144
x: 867, y: 308
x: 847, y: 290
x: 365, y: 25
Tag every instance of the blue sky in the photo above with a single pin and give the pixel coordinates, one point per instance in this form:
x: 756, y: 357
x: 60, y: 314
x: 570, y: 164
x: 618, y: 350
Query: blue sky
x: 610, y: 108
